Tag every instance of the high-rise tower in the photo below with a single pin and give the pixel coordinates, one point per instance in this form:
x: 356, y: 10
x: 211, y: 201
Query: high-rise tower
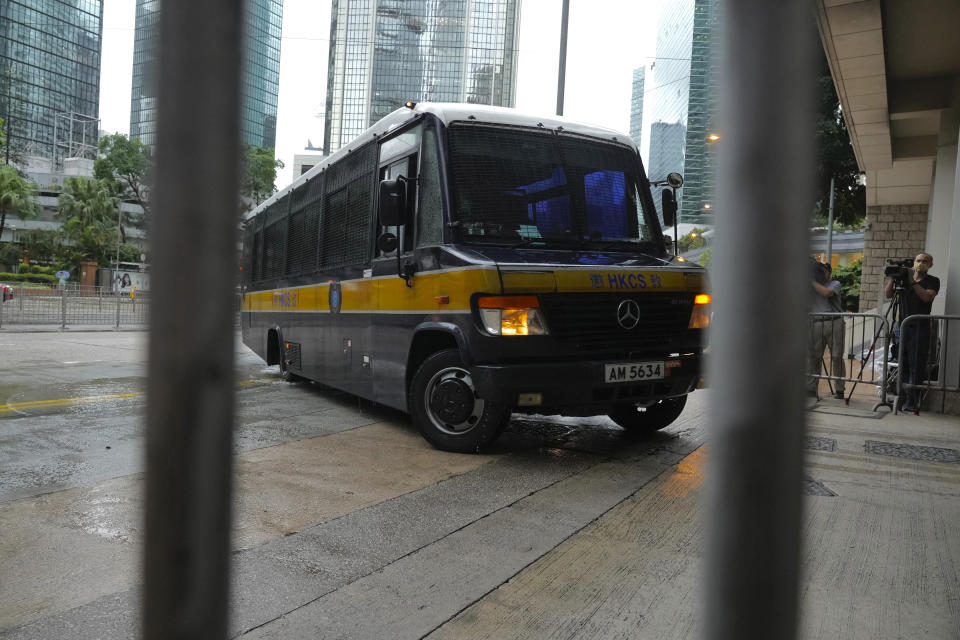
x: 260, y: 82
x: 385, y: 52
x: 50, y: 74
x: 636, y: 105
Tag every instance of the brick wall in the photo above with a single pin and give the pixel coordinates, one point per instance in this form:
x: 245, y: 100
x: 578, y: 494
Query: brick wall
x: 893, y: 231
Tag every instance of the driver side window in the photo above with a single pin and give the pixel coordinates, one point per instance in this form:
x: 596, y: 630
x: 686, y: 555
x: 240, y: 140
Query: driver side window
x: 406, y: 168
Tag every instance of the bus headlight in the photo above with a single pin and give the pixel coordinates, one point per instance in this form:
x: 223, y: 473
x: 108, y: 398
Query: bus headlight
x: 700, y: 318
x: 512, y: 316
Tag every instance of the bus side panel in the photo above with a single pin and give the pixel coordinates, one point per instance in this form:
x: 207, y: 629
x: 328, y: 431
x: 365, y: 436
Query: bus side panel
x: 254, y: 336
x: 392, y: 336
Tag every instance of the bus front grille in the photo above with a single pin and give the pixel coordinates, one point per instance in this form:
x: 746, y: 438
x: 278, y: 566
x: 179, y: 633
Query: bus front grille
x: 589, y: 320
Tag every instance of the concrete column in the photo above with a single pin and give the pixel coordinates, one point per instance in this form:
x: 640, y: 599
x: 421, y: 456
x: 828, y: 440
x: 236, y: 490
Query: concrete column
x: 942, y: 228
x: 950, y: 281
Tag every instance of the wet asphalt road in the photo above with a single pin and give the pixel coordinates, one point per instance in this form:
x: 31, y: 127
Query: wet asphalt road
x: 348, y: 525
x: 338, y: 502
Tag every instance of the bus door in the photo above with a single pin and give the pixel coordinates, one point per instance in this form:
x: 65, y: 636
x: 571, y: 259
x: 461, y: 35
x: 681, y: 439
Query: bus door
x: 396, y: 314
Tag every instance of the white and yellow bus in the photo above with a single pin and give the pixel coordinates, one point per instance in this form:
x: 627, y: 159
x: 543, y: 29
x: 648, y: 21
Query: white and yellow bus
x: 462, y: 262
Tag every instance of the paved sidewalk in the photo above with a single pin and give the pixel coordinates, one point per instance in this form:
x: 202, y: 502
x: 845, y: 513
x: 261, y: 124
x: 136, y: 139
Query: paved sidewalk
x: 881, y: 555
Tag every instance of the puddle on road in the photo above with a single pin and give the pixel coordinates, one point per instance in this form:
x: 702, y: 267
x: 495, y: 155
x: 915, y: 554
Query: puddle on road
x: 107, y: 512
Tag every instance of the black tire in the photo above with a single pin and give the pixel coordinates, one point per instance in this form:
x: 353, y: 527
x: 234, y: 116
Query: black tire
x: 446, y: 409
x: 648, y: 419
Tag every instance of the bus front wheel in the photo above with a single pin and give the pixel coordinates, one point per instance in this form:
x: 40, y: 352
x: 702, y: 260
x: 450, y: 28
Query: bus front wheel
x: 649, y: 419
x: 446, y: 409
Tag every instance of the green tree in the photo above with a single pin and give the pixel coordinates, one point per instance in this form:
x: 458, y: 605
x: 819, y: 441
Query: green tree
x: 835, y: 159
x: 693, y: 240
x: 126, y: 164
x: 706, y: 258
x: 259, y: 174
x: 10, y: 255
x: 849, y: 277
x: 16, y: 196
x: 88, y: 210
x: 42, y: 245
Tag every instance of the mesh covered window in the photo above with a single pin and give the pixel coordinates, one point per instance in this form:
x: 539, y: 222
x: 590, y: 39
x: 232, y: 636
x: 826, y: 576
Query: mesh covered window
x: 257, y: 257
x: 299, y: 197
x: 297, y: 248
x: 430, y: 210
x: 302, y: 230
x: 345, y: 228
x: 522, y: 186
x: 273, y: 249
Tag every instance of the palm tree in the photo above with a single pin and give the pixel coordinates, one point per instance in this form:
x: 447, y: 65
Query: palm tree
x: 16, y: 196
x: 89, y: 211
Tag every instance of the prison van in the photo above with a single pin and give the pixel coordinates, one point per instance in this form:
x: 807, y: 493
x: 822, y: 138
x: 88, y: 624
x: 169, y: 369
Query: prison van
x: 461, y: 263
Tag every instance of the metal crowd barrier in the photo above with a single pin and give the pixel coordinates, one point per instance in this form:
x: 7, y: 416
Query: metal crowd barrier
x: 863, y: 341
x: 926, y: 347
x: 72, y: 305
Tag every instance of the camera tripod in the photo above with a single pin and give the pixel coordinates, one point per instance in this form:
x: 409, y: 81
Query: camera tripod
x: 894, y: 316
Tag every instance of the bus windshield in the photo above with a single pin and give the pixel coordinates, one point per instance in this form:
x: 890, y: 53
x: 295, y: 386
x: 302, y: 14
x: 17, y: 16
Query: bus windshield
x: 521, y: 187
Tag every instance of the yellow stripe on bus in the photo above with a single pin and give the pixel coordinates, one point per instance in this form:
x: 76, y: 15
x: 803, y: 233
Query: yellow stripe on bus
x: 457, y: 285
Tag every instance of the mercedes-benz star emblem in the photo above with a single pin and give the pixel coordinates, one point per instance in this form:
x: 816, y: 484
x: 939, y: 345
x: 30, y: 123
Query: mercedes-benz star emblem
x: 628, y: 314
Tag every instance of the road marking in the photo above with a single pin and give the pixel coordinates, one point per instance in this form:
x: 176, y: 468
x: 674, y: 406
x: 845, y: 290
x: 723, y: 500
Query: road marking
x: 66, y: 402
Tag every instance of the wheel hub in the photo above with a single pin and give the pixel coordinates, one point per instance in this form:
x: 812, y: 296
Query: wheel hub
x: 452, y: 401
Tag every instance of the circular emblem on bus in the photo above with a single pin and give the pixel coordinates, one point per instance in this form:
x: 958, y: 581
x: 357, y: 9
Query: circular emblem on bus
x: 336, y: 297
x: 628, y: 314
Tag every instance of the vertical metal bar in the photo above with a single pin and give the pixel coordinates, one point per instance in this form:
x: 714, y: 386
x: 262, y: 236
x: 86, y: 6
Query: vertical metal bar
x: 758, y: 364
x: 63, y: 306
x: 116, y: 297
x: 190, y: 392
x: 562, y: 73
x: 886, y: 363
x: 942, y: 364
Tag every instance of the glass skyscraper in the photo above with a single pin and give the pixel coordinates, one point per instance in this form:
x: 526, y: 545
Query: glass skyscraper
x: 385, y: 52
x: 636, y: 105
x: 260, y: 82
x: 685, y: 94
x: 699, y: 163
x: 49, y: 65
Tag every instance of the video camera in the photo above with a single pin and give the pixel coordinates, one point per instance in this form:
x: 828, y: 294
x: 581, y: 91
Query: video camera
x: 899, y: 270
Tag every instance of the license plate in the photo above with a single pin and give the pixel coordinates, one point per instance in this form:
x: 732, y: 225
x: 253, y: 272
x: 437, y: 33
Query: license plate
x: 633, y: 371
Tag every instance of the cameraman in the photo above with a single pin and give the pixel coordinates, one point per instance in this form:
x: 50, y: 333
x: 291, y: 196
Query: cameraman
x: 826, y: 331
x: 920, y: 288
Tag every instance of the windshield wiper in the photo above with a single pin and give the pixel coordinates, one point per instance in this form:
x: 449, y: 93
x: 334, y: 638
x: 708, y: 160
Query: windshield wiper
x: 632, y: 246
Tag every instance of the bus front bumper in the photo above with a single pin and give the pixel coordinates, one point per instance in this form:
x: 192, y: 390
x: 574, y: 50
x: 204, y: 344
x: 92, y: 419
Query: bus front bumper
x: 579, y: 388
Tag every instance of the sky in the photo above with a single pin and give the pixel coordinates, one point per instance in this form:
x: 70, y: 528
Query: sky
x: 607, y: 39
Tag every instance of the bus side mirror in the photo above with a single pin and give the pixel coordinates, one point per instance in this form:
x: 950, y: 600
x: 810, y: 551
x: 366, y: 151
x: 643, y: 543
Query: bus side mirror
x: 393, y: 202
x: 669, y: 208
x: 387, y: 243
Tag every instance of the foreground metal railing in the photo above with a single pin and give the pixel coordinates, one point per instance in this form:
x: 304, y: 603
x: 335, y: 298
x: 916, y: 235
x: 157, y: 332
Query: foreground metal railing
x: 927, y: 359
x: 860, y: 339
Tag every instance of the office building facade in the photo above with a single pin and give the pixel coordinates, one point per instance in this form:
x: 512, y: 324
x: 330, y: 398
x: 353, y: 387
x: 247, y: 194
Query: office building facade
x: 50, y: 74
x: 386, y: 52
x: 636, y: 105
x: 699, y: 150
x: 260, y: 81
x: 684, y: 91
